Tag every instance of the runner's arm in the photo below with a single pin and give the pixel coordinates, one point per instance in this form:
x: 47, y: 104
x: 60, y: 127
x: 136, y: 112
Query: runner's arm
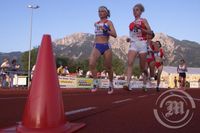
x: 148, y: 30
x: 112, y: 30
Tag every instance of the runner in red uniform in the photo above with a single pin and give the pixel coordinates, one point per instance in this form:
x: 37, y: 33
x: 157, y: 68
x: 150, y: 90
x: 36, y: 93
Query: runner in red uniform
x: 150, y: 56
x: 158, y: 54
x: 139, y: 29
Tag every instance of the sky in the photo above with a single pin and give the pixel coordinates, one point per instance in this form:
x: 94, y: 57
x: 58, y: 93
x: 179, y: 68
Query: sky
x: 176, y: 18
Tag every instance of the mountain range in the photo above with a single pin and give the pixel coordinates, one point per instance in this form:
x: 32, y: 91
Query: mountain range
x: 79, y: 46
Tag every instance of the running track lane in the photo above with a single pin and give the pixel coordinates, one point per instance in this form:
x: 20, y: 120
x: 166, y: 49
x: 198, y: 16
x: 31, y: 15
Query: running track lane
x: 122, y: 112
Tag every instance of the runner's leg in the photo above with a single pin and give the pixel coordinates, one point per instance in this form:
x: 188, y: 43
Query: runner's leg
x: 131, y: 58
x: 92, y: 66
x: 108, y: 66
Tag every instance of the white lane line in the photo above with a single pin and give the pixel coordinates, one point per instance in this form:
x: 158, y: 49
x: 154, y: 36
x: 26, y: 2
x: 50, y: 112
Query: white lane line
x: 142, y: 96
x: 79, y: 110
x: 79, y: 94
x: 121, y: 101
x: 196, y: 99
x: 11, y: 98
x: 8, y: 130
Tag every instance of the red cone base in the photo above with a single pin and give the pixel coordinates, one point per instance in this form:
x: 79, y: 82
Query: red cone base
x: 67, y: 128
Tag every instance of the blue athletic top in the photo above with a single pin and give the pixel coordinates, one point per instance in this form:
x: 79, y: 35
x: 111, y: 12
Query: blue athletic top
x: 98, y: 28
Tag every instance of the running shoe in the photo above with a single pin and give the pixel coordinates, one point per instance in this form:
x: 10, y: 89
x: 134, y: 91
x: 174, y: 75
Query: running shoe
x: 110, y: 90
x: 157, y: 89
x: 94, y: 89
x: 129, y: 87
x: 144, y: 88
x: 152, y: 79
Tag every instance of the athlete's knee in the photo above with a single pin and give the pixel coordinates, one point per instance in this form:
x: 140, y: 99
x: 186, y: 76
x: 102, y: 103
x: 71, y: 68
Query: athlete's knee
x: 145, y: 71
x: 91, y: 65
x: 108, y: 68
x: 130, y: 63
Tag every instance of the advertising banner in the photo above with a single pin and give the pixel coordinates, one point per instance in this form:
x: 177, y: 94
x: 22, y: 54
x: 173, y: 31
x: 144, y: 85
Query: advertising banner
x: 20, y: 80
x: 119, y: 83
x: 103, y: 83
x: 67, y: 82
x: 84, y: 83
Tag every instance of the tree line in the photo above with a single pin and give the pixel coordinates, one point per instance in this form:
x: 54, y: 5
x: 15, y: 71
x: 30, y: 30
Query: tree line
x: 119, y: 66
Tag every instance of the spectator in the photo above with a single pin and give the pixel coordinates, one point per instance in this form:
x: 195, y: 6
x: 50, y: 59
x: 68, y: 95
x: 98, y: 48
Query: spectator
x: 79, y: 72
x: 114, y: 74
x: 175, y: 82
x: 98, y: 75
x: 60, y: 70
x: 88, y: 74
x: 199, y: 83
x: 13, y: 71
x: 187, y: 84
x: 122, y: 77
x: 66, y: 71
x: 4, y: 70
x: 5, y: 64
x: 103, y: 74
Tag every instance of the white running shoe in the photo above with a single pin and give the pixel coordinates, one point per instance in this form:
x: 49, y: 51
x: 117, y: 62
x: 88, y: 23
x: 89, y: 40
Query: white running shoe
x: 129, y: 87
x: 110, y: 89
x: 144, y: 88
x: 94, y: 89
x: 152, y: 79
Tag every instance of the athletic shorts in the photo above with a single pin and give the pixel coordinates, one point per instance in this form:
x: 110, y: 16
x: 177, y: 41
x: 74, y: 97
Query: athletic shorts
x: 149, y: 60
x: 158, y: 64
x: 102, y: 47
x: 139, y: 46
x: 183, y: 75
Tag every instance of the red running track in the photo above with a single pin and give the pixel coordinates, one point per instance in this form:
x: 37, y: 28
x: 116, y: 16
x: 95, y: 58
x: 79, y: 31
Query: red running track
x: 121, y: 112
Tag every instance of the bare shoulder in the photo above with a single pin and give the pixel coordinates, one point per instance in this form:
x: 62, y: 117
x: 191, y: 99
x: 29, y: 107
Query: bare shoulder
x: 110, y: 22
x: 144, y: 20
x: 96, y: 22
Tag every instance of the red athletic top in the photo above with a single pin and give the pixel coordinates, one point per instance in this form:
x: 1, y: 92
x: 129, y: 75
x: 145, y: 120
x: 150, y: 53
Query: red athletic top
x: 158, y: 58
x: 136, y: 34
x: 158, y: 55
x: 150, y: 48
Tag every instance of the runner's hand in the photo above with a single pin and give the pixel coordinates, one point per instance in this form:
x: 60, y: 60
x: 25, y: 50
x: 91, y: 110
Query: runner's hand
x: 138, y: 26
x: 128, y: 39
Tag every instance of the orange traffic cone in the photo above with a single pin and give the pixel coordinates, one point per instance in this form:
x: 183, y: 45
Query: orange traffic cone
x: 44, y: 112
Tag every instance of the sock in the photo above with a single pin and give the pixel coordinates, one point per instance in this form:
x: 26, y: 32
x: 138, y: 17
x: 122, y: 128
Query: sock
x: 95, y: 82
x: 145, y: 85
x: 110, y: 84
